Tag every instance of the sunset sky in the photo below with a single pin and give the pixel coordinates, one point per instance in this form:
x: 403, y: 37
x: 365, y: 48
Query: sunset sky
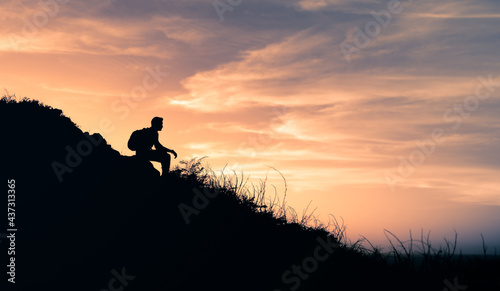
x: 384, y: 113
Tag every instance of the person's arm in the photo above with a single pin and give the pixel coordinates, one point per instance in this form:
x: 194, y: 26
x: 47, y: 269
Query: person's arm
x: 173, y: 152
x: 159, y: 146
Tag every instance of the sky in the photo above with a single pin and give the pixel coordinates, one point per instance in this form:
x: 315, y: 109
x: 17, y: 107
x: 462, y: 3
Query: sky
x: 380, y: 113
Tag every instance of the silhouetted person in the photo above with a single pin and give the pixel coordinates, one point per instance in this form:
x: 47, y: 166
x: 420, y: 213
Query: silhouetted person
x: 143, y: 140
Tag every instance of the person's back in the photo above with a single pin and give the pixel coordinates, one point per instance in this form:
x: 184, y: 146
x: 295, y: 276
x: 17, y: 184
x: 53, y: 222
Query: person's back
x: 148, y: 137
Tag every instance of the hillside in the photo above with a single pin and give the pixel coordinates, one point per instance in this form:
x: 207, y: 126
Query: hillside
x: 89, y: 218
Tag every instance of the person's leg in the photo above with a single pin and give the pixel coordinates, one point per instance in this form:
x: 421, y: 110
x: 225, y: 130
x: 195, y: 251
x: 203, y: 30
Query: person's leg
x: 165, y: 163
x: 162, y: 157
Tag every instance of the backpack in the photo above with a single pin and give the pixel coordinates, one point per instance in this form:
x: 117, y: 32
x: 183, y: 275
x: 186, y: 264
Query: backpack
x: 138, y: 140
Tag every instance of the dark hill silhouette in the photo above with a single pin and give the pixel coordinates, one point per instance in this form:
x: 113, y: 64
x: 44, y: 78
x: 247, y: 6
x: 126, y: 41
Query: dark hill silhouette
x: 113, y: 212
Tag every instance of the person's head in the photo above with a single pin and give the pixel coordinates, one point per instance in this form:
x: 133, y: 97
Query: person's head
x: 157, y: 123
